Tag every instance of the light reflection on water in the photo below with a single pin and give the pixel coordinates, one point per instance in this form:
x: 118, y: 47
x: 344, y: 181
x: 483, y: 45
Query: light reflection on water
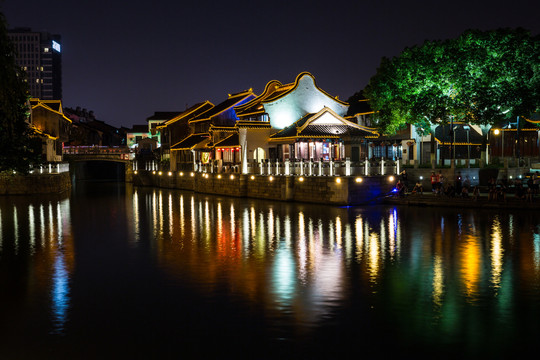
x: 307, y: 256
x: 441, y: 277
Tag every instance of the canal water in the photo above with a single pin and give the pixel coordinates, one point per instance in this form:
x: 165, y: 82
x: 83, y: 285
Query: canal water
x: 114, y: 271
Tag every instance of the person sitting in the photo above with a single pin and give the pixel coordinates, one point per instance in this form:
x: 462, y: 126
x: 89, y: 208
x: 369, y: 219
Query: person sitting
x: 418, y: 188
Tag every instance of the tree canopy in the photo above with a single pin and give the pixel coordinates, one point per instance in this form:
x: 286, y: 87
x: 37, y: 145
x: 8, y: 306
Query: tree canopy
x: 18, y: 146
x: 481, y: 77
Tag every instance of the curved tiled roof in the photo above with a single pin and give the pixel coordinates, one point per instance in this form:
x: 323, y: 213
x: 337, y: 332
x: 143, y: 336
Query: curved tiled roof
x: 191, y: 141
x: 306, y: 128
x: 231, y: 101
x: 292, y: 87
x: 228, y: 142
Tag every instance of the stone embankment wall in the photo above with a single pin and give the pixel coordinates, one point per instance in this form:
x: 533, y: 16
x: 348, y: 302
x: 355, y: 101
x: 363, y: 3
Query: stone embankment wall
x: 32, y: 184
x: 311, y: 189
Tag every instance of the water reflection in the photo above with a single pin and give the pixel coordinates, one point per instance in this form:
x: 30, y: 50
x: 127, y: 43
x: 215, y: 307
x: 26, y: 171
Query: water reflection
x: 42, y: 239
x: 179, y: 264
x: 301, y: 262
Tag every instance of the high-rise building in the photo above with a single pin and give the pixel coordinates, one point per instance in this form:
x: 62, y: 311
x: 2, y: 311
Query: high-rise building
x: 39, y: 54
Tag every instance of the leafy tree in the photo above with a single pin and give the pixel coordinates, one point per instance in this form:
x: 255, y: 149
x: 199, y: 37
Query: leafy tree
x: 18, y: 145
x: 479, y: 77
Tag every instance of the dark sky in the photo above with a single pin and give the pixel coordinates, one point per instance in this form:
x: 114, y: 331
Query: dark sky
x: 127, y: 59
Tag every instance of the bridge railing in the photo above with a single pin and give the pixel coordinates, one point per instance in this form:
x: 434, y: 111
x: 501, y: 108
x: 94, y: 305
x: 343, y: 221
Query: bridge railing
x: 75, y: 150
x: 122, y: 152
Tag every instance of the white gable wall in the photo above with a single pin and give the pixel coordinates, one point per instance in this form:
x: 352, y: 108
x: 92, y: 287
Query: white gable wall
x: 306, y: 98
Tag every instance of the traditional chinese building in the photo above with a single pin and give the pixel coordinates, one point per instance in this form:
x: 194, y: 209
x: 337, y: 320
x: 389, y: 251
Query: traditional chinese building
x: 49, y: 121
x: 182, y: 136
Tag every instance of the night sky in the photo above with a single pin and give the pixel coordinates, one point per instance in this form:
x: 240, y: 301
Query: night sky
x: 126, y: 60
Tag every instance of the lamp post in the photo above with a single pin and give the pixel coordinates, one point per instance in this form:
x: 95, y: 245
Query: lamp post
x: 468, y: 128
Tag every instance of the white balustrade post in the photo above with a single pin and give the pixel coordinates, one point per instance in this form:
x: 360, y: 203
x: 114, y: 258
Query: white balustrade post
x: 382, y: 166
x: 331, y: 167
x: 301, y: 167
x: 366, y: 164
x: 287, y: 167
x: 347, y: 167
x: 320, y: 167
x: 397, y: 167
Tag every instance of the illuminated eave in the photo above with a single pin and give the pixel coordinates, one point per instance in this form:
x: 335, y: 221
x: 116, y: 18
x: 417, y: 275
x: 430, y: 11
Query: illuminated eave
x: 222, y: 128
x: 273, y: 84
x: 455, y: 143
x: 184, y: 115
x: 45, y: 134
x: 40, y: 104
x: 364, y: 113
x: 297, y: 82
x: 532, y: 121
x: 242, y: 94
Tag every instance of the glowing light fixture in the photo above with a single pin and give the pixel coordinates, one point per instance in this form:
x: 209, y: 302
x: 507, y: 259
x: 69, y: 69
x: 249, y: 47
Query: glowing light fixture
x: 338, y: 180
x: 232, y: 177
x: 192, y: 174
x: 154, y: 172
x: 391, y: 178
x: 271, y: 178
x: 359, y: 180
x: 496, y: 131
x: 301, y: 178
x: 252, y: 177
x: 160, y: 173
x: 170, y: 173
x: 135, y: 172
x: 181, y: 173
x: 219, y: 176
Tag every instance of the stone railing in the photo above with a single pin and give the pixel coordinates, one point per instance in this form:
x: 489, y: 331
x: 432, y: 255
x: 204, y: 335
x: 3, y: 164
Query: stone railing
x: 296, y: 168
x: 50, y: 168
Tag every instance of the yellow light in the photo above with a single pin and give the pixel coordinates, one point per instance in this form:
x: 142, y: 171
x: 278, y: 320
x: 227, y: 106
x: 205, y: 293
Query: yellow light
x: 219, y: 176
x: 232, y: 177
x: 154, y: 172
x: 358, y: 179
x: 170, y: 173
x: 181, y: 173
x: 160, y: 173
x: 271, y: 178
x: 192, y: 174
x: 338, y: 180
x: 301, y: 178
x: 252, y: 177
x: 496, y: 131
x: 135, y: 172
x: 391, y: 178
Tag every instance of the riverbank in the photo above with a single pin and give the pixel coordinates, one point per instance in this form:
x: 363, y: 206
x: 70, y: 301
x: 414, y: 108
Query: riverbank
x: 429, y: 199
x: 33, y: 184
x: 328, y: 190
